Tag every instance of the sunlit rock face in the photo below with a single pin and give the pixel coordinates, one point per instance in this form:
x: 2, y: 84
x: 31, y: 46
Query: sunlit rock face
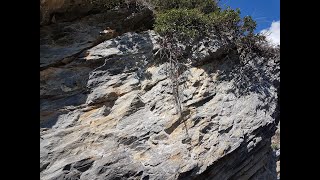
x: 107, y: 109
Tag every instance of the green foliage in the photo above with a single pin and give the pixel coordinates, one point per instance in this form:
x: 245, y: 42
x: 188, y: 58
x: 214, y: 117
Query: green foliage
x: 193, y: 23
x: 205, y: 6
x: 183, y: 19
x: 108, y: 4
x: 274, y: 146
x: 249, y: 25
x: 226, y: 20
x: 198, y: 18
x: 181, y: 23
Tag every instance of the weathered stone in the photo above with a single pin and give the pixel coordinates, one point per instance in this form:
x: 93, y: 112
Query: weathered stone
x: 63, y: 42
x: 118, y: 124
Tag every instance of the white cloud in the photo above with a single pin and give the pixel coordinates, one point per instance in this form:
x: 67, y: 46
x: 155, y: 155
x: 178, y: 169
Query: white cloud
x: 273, y: 33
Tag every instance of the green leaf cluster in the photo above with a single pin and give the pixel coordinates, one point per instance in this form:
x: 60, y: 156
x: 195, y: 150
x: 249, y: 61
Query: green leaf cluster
x: 191, y: 19
x: 205, y: 6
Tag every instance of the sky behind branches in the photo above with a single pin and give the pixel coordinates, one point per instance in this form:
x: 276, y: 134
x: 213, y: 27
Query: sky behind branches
x: 265, y: 12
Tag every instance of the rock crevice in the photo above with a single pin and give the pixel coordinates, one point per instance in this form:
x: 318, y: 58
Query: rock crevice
x: 109, y: 113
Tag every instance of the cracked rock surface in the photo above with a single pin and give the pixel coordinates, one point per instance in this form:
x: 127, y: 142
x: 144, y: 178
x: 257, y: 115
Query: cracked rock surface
x: 109, y: 114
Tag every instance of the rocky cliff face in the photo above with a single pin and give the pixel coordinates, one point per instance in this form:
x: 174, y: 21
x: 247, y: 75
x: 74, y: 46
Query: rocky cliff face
x: 107, y: 110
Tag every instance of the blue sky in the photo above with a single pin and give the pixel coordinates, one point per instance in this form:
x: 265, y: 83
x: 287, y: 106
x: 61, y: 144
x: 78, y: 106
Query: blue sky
x: 265, y: 12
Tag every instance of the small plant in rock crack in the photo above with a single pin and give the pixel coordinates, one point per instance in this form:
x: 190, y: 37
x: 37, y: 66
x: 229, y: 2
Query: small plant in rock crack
x: 274, y: 146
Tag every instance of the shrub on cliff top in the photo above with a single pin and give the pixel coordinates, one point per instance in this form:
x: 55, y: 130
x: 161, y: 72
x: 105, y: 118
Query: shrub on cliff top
x: 184, y: 23
x: 181, y: 23
x: 205, y: 6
